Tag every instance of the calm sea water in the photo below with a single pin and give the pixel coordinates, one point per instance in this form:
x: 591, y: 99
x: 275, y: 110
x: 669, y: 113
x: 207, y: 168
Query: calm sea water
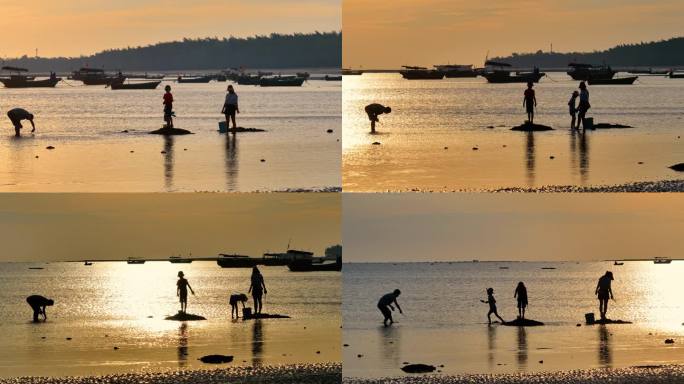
x: 84, y: 123
x: 460, y: 114
x: 114, y: 304
x: 445, y: 323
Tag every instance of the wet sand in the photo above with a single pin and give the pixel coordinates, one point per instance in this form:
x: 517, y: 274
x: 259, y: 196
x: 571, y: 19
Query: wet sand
x: 637, y: 374
x: 641, y: 186
x: 296, y: 373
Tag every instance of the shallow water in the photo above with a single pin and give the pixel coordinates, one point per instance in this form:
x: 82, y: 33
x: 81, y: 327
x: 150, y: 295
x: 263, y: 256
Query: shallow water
x: 445, y: 323
x: 110, y: 304
x: 428, y: 116
x: 85, y: 124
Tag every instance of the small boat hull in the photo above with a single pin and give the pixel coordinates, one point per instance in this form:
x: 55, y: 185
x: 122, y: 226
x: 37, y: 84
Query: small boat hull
x: 146, y: 85
x: 308, y: 266
x: 26, y: 83
x: 100, y: 80
x: 281, y: 82
x: 615, y: 81
x: 422, y: 75
x: 505, y: 77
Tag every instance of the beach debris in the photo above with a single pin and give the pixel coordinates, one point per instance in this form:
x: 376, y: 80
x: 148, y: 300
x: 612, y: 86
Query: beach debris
x: 376, y: 143
x: 579, y: 325
x: 418, y: 368
x: 216, y: 359
x: 640, y: 162
x: 49, y: 147
x: 68, y: 338
x: 541, y: 361
x: 132, y: 151
x: 520, y: 322
x: 359, y: 355
x: 182, y: 316
x: 116, y: 348
x: 669, y: 341
x: 318, y: 352
x: 36, y: 156
x: 677, y: 167
x: 345, y: 345
x: 531, y: 127
x: 168, y: 131
x: 475, y: 148
x: 446, y: 147
x: 608, y: 126
x: 552, y: 157
x: 263, y: 160
x: 329, y: 131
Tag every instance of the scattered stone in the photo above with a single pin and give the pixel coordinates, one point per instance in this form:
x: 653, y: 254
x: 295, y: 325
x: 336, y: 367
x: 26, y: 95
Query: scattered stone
x: 541, y: 361
x: 181, y: 316
x: 167, y: 131
x: 216, y: 359
x: 376, y: 143
x: 669, y: 341
x: 163, y: 152
x: 677, y: 167
x: 185, y: 149
x: 552, y: 157
x: 49, y: 147
x: 475, y: 148
x: 116, y: 348
x: 640, y: 162
x: 42, y: 337
x: 418, y: 368
x: 579, y: 325
x: 530, y: 127
x: 446, y: 147
x: 36, y: 156
x: 68, y: 338
x: 359, y: 355
x: 150, y: 316
x: 132, y: 151
x: 263, y: 160
x: 329, y: 131
x: 345, y: 345
x: 124, y: 131
x: 504, y: 145
x: 318, y: 352
x: 522, y: 323
x: 490, y: 126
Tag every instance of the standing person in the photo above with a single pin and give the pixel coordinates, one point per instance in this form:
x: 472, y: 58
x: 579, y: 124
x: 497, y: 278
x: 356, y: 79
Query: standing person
x: 230, y: 107
x: 583, y: 105
x: 373, y: 111
x: 16, y: 115
x: 604, y: 293
x: 168, y: 107
x: 182, y: 286
x: 530, y: 102
x: 573, y: 108
x: 492, y: 306
x: 521, y: 295
x: 38, y: 304
x: 258, y: 289
x: 385, y: 305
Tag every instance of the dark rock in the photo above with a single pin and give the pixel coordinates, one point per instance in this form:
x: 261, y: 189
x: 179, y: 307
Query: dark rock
x: 529, y: 127
x: 446, y: 147
x: 42, y: 337
x: 608, y: 126
x: 181, y: 316
x: 266, y: 316
x: 490, y: 126
x: 640, y: 162
x: 345, y: 345
x: 36, y: 156
x: 132, y: 151
x: 418, y: 368
x: 541, y: 361
x: 124, y: 131
x: 523, y: 323
x: 49, y: 147
x: 677, y: 167
x: 216, y: 359
x: 318, y: 352
x: 68, y: 338
x: 359, y: 355
x: 263, y: 160
x: 167, y: 131
x: 116, y: 348
x: 552, y: 157
x: 669, y: 341
x: 376, y: 143
x: 329, y: 131
x: 162, y: 152
x: 609, y: 321
x: 579, y: 325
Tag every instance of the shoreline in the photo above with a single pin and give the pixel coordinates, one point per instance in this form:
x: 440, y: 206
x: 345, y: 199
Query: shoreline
x: 294, y: 373
x: 637, y: 374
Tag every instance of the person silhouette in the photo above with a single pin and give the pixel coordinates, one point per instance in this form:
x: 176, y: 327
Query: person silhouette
x: 182, y: 286
x: 604, y: 292
x: 385, y: 306
x: 230, y: 107
x: 530, y: 102
x: 373, y: 111
x: 38, y: 304
x: 258, y: 289
x: 521, y: 295
x: 573, y: 109
x: 492, y: 306
x: 168, y: 107
x: 16, y: 115
x: 583, y: 106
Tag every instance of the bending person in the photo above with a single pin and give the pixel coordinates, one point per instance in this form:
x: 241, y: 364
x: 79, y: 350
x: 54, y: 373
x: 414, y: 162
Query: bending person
x: 604, y: 293
x: 38, y: 304
x: 16, y: 115
x: 258, y: 289
x: 373, y: 111
x: 385, y: 306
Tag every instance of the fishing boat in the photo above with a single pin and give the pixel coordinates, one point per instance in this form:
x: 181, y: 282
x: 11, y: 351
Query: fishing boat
x: 675, y: 75
x: 661, y: 260
x: 304, y: 75
x: 18, y: 79
x: 135, y: 260
x: 649, y: 71
x: 618, y: 263
x: 179, y: 260
x: 281, y: 81
x: 248, y: 79
x: 456, y: 70
x: 268, y: 259
x: 614, y: 81
x: 351, y: 72
x: 332, y: 78
x: 117, y: 85
x: 194, y: 80
x: 500, y: 73
x: 420, y: 73
x: 580, y: 71
x: 314, y: 266
x: 95, y: 76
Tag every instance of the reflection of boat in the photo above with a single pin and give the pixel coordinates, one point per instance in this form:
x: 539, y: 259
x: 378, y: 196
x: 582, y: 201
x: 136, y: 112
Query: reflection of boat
x: 311, y: 265
x: 87, y: 263
x: 500, y: 73
x: 661, y: 260
x: 179, y: 260
x: 135, y: 260
x: 579, y: 71
x: 614, y: 81
x: 116, y: 85
x: 18, y: 79
x: 456, y: 70
x: 420, y: 73
x: 618, y: 263
x: 281, y: 81
x: 194, y: 80
x: 351, y: 72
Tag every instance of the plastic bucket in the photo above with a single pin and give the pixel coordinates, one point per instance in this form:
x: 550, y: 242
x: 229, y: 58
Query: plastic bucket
x: 589, y: 317
x: 222, y: 127
x: 589, y: 122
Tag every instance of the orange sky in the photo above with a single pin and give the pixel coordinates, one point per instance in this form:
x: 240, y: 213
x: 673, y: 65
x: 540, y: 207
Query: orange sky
x: 72, y: 28
x: 391, y: 33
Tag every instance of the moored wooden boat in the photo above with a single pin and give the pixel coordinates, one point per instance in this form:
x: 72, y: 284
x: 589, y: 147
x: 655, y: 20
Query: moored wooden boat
x: 18, y: 79
x: 420, y: 73
x: 117, y: 85
x: 614, y: 81
x: 281, y: 81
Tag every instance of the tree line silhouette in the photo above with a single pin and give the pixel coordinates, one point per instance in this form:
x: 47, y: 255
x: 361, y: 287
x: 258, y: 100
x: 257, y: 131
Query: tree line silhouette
x: 663, y: 53
x: 299, y: 50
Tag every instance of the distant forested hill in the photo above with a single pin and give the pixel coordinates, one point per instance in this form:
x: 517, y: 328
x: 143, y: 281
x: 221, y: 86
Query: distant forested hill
x: 665, y: 53
x: 274, y: 51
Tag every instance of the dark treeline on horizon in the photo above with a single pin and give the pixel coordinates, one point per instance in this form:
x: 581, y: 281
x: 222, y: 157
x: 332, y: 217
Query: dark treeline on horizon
x: 300, y: 50
x: 664, y: 53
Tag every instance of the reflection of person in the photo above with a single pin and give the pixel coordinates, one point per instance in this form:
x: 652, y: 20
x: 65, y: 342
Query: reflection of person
x: 492, y: 305
x: 573, y: 108
x: 230, y: 107
x: 182, y: 286
x: 385, y: 305
x: 38, y: 304
x: 373, y: 110
x: 258, y: 289
x: 521, y: 295
x: 604, y: 293
x: 168, y: 107
x: 583, y: 105
x: 530, y: 102
x: 16, y: 115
